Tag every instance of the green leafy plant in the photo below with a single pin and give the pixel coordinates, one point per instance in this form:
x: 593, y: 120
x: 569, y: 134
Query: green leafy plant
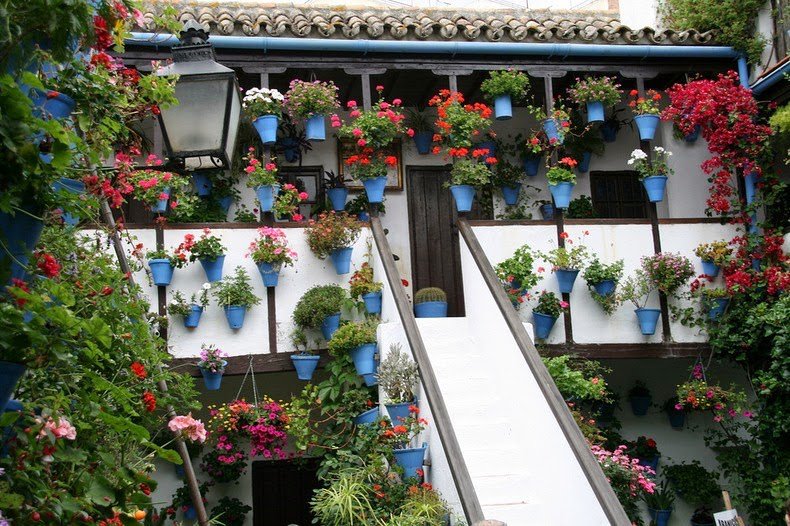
x: 318, y: 303
x: 244, y: 215
x: 177, y: 259
x: 573, y: 256
x: 263, y: 101
x: 596, y: 89
x: 597, y: 272
x: 230, y: 511
x: 330, y: 232
x: 693, y: 483
x: 418, y: 121
x: 430, y: 294
x: 550, y: 305
x: 505, y: 82
x: 179, y: 306
x: 581, y: 208
x: 666, y: 271
x: 562, y: 172
x: 643, y: 448
x: 469, y: 172
x: 151, y: 186
x: 258, y: 172
x: 639, y: 389
x: 351, y: 335
x: 306, y: 99
x: 208, y: 246
x: 506, y: 174
x: 647, y: 105
x: 572, y: 381
x: 235, y: 290
x: 271, y: 246
x: 347, y: 499
x: 662, y: 497
x: 717, y: 252
x: 518, y: 270
x: 458, y: 124
x: 658, y: 165
x: 636, y: 289
x: 398, y: 376
x: 362, y: 281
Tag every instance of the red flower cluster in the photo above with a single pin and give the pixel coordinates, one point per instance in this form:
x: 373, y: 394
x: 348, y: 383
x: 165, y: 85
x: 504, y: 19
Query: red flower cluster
x: 103, y: 37
x: 139, y: 370
x: 149, y: 400
x: 47, y: 264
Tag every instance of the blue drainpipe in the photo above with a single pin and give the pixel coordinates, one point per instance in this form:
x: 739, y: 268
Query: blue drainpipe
x: 750, y: 179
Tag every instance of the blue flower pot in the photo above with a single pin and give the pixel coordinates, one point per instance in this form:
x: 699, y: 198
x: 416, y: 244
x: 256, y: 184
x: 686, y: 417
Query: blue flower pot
x: 399, y: 412
x: 547, y: 211
x: 266, y: 126
x: 213, y: 269
x: 718, y: 308
x: 609, y: 131
x: 290, y: 146
x: 179, y: 469
x: 364, y: 358
x: 315, y: 128
x: 555, y: 135
x: 192, y: 319
x: 751, y: 185
x: 58, y: 107
x: 488, y: 145
x: 709, y: 268
x: 370, y: 379
x: 694, y: 135
x: 651, y: 463
x: 510, y: 194
x: 374, y: 188
x: 161, y: 271
x: 640, y: 404
x: 566, y: 279
x: 410, y: 460
x: 655, y: 186
x: 561, y: 192
x: 330, y: 325
x: 543, y: 324
x: 372, y: 302
x: 423, y: 140
x: 73, y: 186
x: 503, y: 108
x: 341, y: 259
x: 266, y: 195
x: 660, y: 516
x: 605, y: 287
x: 202, y: 183
x: 225, y: 203
x: 584, y: 163
x: 595, y: 111
x: 464, y: 196
x: 10, y: 374
x: 677, y: 419
x: 235, y: 315
x: 337, y: 196
x: 431, y: 309
x: 8, y: 432
x: 190, y: 514
x: 532, y: 165
x: 213, y: 380
x: 305, y: 365
x: 270, y: 273
x: 647, y: 320
x: 368, y: 417
x: 161, y: 205
x: 647, y: 124
x: 363, y: 216
x: 19, y: 233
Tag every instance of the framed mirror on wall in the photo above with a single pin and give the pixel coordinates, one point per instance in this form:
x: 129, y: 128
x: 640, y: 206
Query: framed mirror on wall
x: 345, y: 149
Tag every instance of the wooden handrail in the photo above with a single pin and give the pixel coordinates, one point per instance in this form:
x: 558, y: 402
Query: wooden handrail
x: 455, y: 459
x: 589, y: 465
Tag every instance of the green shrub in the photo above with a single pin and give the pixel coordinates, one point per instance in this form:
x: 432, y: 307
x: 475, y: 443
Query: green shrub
x: 352, y: 335
x: 318, y: 303
x: 235, y: 290
x: 430, y: 294
x: 695, y: 484
x: 505, y: 82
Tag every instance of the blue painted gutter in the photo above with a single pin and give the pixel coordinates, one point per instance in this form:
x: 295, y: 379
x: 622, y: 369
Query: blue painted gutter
x: 759, y: 87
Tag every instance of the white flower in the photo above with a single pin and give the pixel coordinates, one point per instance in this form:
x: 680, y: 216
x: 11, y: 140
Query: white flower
x: 669, y: 154
x: 206, y: 286
x: 658, y: 149
x: 630, y: 161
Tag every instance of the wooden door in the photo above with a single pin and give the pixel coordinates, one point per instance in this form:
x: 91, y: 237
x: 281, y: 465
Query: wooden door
x: 281, y: 492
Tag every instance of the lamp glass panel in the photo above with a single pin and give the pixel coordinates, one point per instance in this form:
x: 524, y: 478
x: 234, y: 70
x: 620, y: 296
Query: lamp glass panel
x: 196, y: 122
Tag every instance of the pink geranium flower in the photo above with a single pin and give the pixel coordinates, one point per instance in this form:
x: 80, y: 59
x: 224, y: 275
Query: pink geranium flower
x: 188, y: 427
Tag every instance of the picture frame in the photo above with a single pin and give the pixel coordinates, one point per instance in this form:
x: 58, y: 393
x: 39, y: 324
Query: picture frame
x: 308, y: 179
x: 345, y: 149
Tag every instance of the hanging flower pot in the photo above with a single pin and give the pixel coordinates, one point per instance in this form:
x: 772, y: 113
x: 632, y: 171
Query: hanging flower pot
x: 290, y: 146
x: 609, y: 131
x: 565, y: 279
x: 372, y: 302
x: 430, y: 309
x: 202, y: 182
x: 374, y: 188
x: 305, y: 365
x: 709, y: 268
x: 595, y: 112
x: 605, y: 287
x: 330, y: 325
x: 337, y: 196
x: 370, y: 379
x: 399, y: 412
x: 694, y: 135
x: 266, y: 195
x: 410, y: 460
x: 364, y: 358
x: 647, y: 125
x: 73, y: 186
x: 640, y: 405
x: 510, y: 194
x: 161, y: 271
x: 543, y: 323
x: 213, y: 268
x: 584, y: 163
x: 341, y: 259
x: 651, y: 463
x: 52, y: 104
x: 656, y: 187
x: 10, y: 374
x: 225, y: 203
x: 363, y: 216
x: 561, y: 192
x: 266, y: 126
x: 464, y: 196
x: 547, y: 211
x: 503, y: 108
x: 212, y: 380
x: 235, y: 315
x: 315, y: 128
x: 270, y: 273
x: 647, y: 320
x: 661, y: 517
x: 532, y: 165
x: 718, y: 308
x: 367, y: 418
x: 20, y: 232
x: 190, y: 513
x: 677, y: 419
x: 161, y: 204
x: 422, y: 141
x: 192, y: 319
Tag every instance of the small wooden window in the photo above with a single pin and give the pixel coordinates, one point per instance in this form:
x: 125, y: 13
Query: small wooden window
x: 618, y: 195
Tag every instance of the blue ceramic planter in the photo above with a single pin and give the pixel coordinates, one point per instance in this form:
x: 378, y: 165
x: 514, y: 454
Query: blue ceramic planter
x: 584, y: 163
x: 640, y: 404
x: 341, y: 259
x: 179, y: 469
x: 364, y: 358
x: 709, y: 268
x: 305, y: 365
x: 595, y: 111
x: 7, y: 433
x: 290, y: 146
x: 190, y: 513
x: 422, y: 141
x: 532, y: 165
x: 410, y: 460
x: 161, y: 271
x: 74, y: 187
x: 270, y: 273
x: 543, y: 324
x: 647, y: 320
x: 330, y: 325
x: 510, y: 194
x: 647, y: 125
x: 503, y: 108
x: 488, y: 145
x: 235, y: 315
x: 161, y: 205
x: 315, y: 128
x: 20, y: 233
x: 655, y: 186
x: 399, y: 412
x: 609, y: 131
x: 213, y: 380
x: 694, y: 135
x: 555, y: 135
x: 547, y: 211
x: 266, y: 126
x: 431, y: 309
x: 372, y: 302
x: 660, y: 516
x: 266, y: 195
x: 374, y: 188
x: 225, y: 203
x: 213, y: 269
x: 57, y: 107
x: 677, y: 419
x: 202, y: 182
x: 368, y: 417
x: 561, y: 192
x: 371, y: 379
x: 464, y: 196
x: 337, y: 197
x: 605, y: 287
x: 192, y: 319
x: 651, y: 463
x: 363, y: 216
x: 10, y: 374
x: 566, y: 279
x: 718, y: 308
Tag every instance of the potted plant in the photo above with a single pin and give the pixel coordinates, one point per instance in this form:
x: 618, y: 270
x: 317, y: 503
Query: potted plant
x: 286, y: 205
x: 465, y: 176
x: 230, y: 512
x: 667, y: 271
x: 503, y: 87
x: 556, y: 123
x: 208, y: 250
x: 596, y: 93
x: 700, y: 395
x: 582, y: 144
x: 660, y: 503
x: 640, y: 398
x: 531, y: 151
x: 603, y: 277
x: 359, y: 207
x: 263, y: 178
x: 430, y: 302
x: 637, y: 289
x: 653, y: 174
x: 400, y: 438
x: 715, y: 301
x: 697, y: 486
x: 319, y: 308
x: 270, y: 252
x: 646, y: 113
x: 611, y: 126
x: 155, y: 188
x: 312, y: 102
x: 713, y: 255
x: 581, y: 208
x: 362, y: 285
x: 458, y: 124
x: 546, y: 312
x: 264, y: 106
x: 336, y: 190
x: 292, y: 142
x: 423, y: 130
x: 517, y: 274
x: 304, y: 361
x: 333, y: 235
x: 566, y: 263
x: 508, y: 178
x: 398, y: 377
x: 677, y: 417
x: 546, y: 209
x: 702, y: 517
x: 561, y: 181
x: 212, y: 366
x: 358, y: 339
x: 235, y: 295
x: 162, y: 264
x: 190, y: 310
x: 645, y: 450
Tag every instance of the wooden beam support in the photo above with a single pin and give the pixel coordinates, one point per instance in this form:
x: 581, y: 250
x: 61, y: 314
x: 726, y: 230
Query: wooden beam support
x: 238, y: 365
x: 629, y: 350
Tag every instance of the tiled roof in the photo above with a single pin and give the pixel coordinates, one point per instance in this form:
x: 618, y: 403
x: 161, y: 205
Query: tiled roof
x: 313, y: 21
